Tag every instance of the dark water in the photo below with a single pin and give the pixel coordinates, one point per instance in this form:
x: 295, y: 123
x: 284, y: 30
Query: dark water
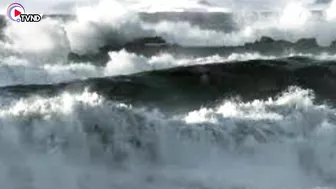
x: 193, y: 86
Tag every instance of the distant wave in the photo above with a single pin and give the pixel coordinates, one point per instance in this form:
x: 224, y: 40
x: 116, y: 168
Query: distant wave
x: 151, y: 46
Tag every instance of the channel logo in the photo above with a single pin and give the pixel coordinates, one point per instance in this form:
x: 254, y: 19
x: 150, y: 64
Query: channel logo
x: 17, y: 13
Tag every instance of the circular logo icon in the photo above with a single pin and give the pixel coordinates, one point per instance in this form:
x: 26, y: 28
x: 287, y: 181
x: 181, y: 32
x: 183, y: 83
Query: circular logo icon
x: 14, y: 11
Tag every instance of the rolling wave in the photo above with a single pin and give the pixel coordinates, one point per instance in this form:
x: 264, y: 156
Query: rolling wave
x: 193, y: 86
x: 17, y: 69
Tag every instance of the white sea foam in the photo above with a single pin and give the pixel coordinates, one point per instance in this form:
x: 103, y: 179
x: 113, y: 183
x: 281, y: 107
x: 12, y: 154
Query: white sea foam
x: 286, y: 142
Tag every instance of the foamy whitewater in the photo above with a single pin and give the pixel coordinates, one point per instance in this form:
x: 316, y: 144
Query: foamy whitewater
x: 169, y: 95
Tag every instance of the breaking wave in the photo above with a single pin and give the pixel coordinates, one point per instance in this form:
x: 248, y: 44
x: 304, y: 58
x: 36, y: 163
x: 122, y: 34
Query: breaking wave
x: 85, y: 140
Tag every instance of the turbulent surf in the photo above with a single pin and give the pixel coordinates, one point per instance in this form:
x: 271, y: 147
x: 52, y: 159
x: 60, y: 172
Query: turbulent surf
x: 170, y: 95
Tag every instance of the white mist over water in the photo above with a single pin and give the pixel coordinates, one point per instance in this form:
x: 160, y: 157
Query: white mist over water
x: 106, y: 22
x: 67, y: 6
x: 286, y: 142
x: 294, y: 22
x: 331, y: 13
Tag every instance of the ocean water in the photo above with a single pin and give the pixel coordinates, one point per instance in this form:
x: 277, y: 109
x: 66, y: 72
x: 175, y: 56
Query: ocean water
x: 169, y: 95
